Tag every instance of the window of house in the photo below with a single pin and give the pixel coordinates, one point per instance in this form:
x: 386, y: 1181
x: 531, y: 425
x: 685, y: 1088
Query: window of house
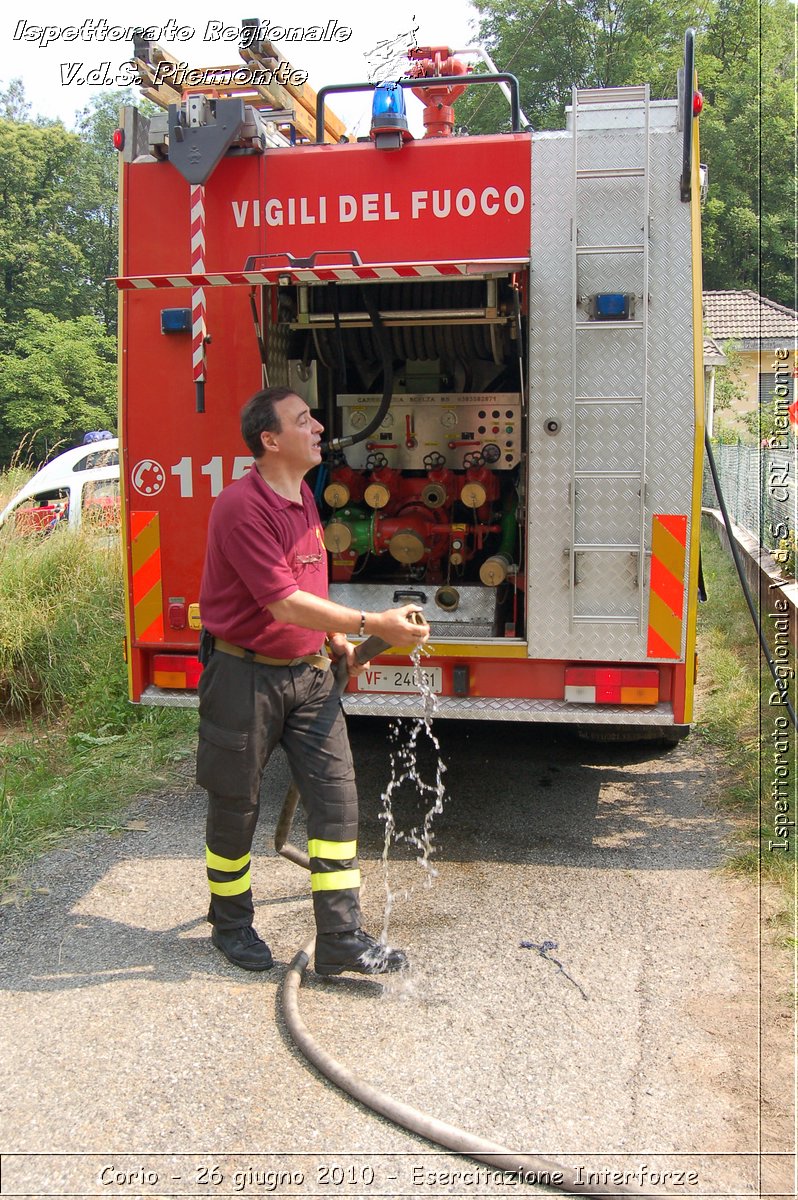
x: 767, y: 386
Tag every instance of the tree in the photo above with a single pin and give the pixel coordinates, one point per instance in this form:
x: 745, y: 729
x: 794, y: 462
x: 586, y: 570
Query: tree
x: 745, y: 61
x: 99, y: 207
x: 551, y: 45
x: 59, y: 212
x: 98, y: 202
x: 746, y: 71
x: 41, y: 262
x: 57, y: 378
x: 13, y: 105
x: 58, y: 247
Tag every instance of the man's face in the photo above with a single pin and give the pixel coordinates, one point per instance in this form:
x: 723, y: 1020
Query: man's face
x: 299, y: 441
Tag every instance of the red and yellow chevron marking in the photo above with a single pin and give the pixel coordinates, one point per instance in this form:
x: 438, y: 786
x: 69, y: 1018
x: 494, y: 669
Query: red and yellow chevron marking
x: 145, y: 554
x: 666, y: 594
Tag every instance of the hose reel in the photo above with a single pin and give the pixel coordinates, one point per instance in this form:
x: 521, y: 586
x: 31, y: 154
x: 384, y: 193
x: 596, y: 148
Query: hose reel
x: 451, y: 321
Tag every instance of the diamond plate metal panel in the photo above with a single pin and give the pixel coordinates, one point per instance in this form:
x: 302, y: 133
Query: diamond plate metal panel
x: 608, y: 512
x: 609, y: 437
x: 169, y: 698
x: 476, y: 615
x: 600, y: 350
x: 471, y: 708
x: 610, y: 208
x: 611, y: 364
x: 602, y: 148
x: 606, y: 585
x: 610, y: 273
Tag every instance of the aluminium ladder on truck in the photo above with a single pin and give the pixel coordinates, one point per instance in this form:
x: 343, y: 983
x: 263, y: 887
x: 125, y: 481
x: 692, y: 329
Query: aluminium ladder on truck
x: 601, y: 481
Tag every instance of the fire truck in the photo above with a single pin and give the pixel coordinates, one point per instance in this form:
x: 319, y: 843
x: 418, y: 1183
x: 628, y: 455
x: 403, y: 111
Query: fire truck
x: 502, y: 335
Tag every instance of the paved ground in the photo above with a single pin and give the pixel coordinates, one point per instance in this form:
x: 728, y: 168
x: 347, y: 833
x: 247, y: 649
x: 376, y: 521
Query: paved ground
x: 137, y: 1061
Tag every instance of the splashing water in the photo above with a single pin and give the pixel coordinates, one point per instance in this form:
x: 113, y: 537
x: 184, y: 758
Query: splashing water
x: 405, y: 770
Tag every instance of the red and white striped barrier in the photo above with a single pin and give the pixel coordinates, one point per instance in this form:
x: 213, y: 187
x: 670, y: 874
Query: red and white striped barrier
x: 198, y: 330
x: 348, y: 274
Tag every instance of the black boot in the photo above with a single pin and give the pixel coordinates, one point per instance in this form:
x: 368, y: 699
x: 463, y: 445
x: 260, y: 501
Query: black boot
x: 243, y: 948
x: 354, y: 950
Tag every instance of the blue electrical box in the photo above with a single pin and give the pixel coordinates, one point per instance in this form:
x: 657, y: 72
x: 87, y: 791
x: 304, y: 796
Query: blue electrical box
x: 175, y: 320
x: 611, y: 306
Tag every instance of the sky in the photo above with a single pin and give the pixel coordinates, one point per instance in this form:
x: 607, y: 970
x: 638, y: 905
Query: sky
x: 38, y: 45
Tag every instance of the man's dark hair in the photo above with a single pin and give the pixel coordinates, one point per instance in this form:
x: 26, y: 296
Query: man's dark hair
x: 258, y: 416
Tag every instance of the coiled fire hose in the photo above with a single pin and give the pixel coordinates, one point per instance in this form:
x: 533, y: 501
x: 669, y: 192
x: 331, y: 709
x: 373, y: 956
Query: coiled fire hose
x: 528, y: 1166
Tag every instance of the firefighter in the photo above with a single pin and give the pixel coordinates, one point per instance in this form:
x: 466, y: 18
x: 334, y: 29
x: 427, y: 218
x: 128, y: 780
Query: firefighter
x: 265, y: 611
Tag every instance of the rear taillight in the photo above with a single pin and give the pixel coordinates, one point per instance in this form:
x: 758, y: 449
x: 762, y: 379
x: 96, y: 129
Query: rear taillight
x: 611, y: 685
x: 176, y: 670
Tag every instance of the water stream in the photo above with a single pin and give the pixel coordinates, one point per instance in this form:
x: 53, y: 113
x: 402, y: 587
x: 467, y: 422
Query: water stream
x: 407, y: 738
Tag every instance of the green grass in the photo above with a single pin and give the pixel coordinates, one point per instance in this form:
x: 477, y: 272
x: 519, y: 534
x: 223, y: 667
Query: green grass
x: 73, y: 750
x: 734, y: 714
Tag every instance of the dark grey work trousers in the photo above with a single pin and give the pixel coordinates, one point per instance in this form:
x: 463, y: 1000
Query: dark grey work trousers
x: 246, y: 709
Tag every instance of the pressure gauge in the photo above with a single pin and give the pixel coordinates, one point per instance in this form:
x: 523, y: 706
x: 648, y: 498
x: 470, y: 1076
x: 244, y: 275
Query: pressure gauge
x: 357, y: 419
x: 448, y: 418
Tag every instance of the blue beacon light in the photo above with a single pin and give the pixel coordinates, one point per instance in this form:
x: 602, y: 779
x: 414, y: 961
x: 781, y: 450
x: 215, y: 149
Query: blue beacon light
x: 389, y: 117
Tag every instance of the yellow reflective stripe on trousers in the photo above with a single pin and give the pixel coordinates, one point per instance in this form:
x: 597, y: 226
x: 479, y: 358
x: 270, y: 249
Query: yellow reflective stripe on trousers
x: 334, y: 881
x: 234, y: 887
x: 217, y: 863
x: 339, y: 851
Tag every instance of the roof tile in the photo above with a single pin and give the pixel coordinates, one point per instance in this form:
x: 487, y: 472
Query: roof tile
x: 745, y: 314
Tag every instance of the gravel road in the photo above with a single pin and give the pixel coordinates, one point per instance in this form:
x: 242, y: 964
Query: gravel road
x: 137, y: 1062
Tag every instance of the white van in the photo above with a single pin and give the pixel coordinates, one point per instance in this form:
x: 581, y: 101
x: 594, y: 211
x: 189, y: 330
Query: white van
x: 79, y: 485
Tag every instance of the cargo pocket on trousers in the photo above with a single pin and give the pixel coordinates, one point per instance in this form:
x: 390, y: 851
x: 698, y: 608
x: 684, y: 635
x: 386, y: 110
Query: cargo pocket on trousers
x: 222, y: 760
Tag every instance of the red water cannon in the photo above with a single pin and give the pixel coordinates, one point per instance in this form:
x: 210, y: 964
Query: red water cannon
x: 437, y: 61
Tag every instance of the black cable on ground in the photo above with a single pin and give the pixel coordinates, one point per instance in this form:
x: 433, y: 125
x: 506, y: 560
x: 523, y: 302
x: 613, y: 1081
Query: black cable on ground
x: 782, y: 685
x: 529, y: 1166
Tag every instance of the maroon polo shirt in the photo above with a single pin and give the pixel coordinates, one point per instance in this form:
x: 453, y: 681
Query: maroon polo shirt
x: 261, y: 548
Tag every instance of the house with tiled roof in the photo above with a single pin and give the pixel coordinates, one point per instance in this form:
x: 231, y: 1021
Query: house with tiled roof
x: 762, y: 333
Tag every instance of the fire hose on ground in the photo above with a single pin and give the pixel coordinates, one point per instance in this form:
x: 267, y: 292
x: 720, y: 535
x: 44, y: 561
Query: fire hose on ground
x: 530, y: 1167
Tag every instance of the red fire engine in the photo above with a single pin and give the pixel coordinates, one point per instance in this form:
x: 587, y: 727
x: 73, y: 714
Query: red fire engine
x: 502, y: 335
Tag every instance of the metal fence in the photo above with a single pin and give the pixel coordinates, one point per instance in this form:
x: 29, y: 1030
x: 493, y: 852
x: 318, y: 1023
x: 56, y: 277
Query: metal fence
x: 760, y: 488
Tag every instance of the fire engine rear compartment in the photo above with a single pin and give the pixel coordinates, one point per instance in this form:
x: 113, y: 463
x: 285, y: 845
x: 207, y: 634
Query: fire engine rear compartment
x: 425, y: 502
x: 514, y: 481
